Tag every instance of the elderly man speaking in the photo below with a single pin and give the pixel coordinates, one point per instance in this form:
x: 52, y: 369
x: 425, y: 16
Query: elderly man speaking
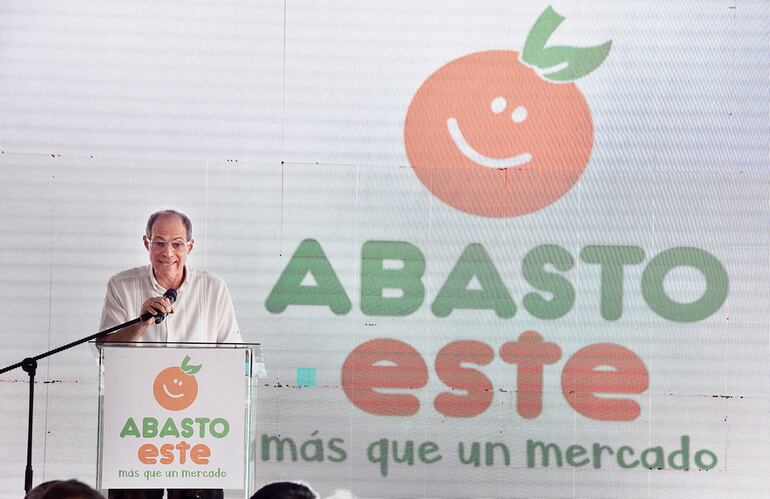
x: 203, y: 310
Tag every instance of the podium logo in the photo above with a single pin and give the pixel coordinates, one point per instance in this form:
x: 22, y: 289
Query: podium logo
x: 503, y: 134
x: 175, y: 388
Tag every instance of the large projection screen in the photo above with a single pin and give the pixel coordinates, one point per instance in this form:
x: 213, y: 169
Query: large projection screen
x: 490, y: 249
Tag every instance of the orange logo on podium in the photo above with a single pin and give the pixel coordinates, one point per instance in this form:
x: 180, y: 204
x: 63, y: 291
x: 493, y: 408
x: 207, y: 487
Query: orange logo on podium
x: 175, y: 388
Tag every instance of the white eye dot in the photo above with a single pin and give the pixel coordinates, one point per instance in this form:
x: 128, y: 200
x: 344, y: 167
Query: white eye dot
x: 519, y: 114
x: 179, y: 383
x: 175, y: 381
x: 498, y: 105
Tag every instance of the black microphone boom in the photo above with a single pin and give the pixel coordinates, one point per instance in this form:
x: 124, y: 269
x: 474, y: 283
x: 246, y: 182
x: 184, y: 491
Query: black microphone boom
x: 170, y: 295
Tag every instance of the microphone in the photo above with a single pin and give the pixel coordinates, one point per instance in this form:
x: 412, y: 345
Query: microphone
x: 170, y: 295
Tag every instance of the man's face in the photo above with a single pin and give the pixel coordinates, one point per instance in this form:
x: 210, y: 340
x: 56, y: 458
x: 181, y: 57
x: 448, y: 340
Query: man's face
x: 168, y: 263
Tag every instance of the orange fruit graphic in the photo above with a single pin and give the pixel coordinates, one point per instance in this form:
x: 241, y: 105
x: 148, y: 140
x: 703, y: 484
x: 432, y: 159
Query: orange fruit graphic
x: 487, y: 135
x: 175, y: 388
x: 497, y: 134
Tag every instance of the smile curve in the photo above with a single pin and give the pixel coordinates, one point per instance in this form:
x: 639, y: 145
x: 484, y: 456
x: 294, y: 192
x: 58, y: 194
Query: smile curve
x: 469, y: 152
x: 173, y: 396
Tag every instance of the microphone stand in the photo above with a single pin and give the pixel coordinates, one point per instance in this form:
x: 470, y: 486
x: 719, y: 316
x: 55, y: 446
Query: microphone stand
x: 29, y: 365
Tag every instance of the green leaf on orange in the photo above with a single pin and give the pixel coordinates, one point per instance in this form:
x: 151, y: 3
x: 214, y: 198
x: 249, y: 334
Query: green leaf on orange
x: 187, y: 368
x: 566, y: 63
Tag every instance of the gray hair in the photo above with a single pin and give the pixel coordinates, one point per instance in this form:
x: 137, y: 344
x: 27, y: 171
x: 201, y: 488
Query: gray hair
x: 185, y: 221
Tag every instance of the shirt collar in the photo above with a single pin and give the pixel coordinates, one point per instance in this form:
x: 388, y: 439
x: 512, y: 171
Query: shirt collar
x: 160, y: 289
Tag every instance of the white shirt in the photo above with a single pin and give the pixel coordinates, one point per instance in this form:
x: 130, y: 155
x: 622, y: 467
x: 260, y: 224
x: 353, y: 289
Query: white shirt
x: 203, y: 310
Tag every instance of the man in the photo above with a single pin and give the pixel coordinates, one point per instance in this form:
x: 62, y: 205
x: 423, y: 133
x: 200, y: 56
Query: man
x: 203, y: 310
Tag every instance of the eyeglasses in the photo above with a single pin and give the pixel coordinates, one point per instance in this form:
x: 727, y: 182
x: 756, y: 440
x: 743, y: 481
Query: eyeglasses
x: 177, y: 245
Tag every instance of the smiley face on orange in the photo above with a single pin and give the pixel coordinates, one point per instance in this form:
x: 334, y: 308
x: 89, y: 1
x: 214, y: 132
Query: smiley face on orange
x: 175, y: 388
x: 491, y: 136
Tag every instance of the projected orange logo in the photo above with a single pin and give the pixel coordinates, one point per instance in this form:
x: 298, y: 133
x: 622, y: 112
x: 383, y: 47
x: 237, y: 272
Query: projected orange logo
x: 175, y: 388
x: 503, y: 134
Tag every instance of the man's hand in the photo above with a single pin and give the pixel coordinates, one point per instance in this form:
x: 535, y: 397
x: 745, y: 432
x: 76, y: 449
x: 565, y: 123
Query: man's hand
x: 154, y: 306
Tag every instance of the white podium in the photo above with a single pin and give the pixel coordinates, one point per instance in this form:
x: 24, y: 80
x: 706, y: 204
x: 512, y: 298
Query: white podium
x: 177, y: 415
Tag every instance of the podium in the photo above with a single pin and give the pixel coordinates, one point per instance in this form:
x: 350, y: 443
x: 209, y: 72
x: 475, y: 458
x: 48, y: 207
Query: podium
x: 177, y: 415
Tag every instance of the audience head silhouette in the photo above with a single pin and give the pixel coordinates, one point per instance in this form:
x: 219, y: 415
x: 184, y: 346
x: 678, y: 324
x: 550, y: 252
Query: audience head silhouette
x: 63, y: 489
x: 285, y: 490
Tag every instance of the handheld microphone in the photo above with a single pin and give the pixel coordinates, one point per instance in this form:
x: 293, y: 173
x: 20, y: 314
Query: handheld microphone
x: 170, y: 295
